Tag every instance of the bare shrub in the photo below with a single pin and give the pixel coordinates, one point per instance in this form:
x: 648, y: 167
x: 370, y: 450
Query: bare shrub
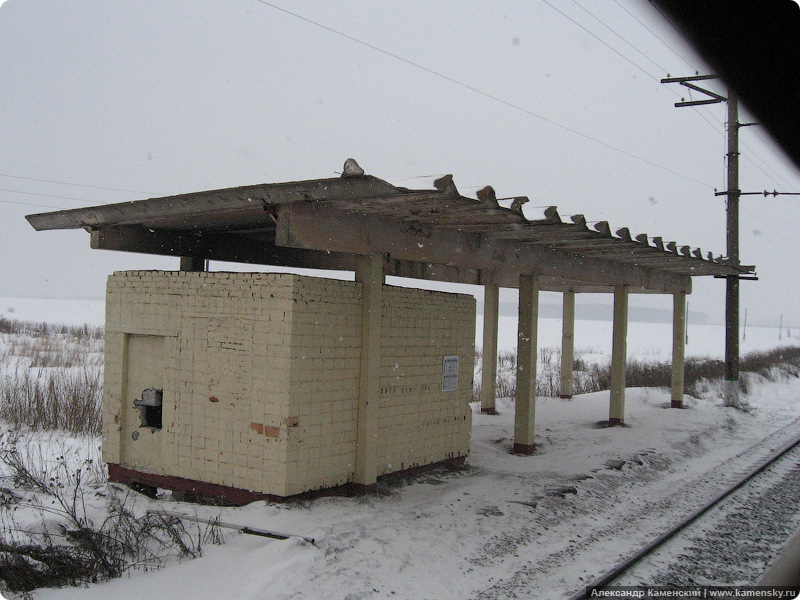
x: 15, y: 327
x: 82, y: 551
x: 699, y: 373
x: 507, y: 360
x: 546, y: 356
x: 647, y: 374
x: 65, y: 399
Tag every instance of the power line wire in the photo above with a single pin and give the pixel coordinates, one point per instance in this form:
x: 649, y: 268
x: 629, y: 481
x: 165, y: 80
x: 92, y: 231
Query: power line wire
x: 31, y: 204
x: 749, y: 212
x: 485, y: 94
x: 50, y: 196
x: 671, y: 90
x: 599, y: 20
x: 654, y: 34
x: 607, y: 45
x: 696, y: 109
x: 96, y: 187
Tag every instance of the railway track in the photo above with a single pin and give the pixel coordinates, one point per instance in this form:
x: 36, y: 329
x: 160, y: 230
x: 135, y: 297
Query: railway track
x: 655, y: 564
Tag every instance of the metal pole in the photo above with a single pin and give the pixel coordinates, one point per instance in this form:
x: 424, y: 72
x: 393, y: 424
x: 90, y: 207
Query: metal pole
x: 687, y: 321
x: 744, y: 328
x: 732, y: 288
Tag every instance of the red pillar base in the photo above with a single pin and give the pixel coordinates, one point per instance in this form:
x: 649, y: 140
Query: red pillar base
x: 676, y: 404
x: 565, y: 396
x: 524, y: 449
x: 615, y: 422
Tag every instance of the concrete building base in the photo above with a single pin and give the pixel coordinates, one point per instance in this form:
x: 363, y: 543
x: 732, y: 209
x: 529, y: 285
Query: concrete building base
x: 201, y: 491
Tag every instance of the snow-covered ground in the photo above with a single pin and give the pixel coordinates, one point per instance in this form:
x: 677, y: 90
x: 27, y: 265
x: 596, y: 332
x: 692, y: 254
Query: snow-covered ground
x: 505, y: 526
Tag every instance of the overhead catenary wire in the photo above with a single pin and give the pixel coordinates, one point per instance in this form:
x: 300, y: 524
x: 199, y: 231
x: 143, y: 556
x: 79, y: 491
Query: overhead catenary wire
x: 484, y: 93
x: 72, y: 198
x: 604, y: 24
x: 697, y: 110
x: 31, y: 204
x: 763, y: 168
x: 476, y: 90
x: 84, y: 185
x: 599, y: 39
x: 654, y: 34
x: 596, y: 18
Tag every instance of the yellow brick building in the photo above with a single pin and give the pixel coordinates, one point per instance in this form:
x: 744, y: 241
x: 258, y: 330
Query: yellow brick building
x: 243, y: 385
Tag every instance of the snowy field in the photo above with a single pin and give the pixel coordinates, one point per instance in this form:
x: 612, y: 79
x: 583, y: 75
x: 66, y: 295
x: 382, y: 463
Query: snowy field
x: 505, y: 526
x: 645, y: 340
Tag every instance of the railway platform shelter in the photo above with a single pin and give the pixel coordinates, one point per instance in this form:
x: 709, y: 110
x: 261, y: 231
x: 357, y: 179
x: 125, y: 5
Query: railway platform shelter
x: 357, y: 222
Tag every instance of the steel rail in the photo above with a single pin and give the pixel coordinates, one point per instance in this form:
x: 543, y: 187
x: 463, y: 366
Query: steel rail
x: 614, y: 573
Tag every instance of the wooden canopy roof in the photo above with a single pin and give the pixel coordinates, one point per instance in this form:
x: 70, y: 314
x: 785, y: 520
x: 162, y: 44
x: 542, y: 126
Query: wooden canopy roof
x: 435, y: 234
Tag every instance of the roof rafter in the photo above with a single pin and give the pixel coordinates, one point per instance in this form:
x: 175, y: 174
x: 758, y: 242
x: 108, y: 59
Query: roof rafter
x: 433, y: 233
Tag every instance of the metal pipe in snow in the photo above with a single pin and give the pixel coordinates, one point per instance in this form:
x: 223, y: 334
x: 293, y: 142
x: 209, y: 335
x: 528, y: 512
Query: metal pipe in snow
x: 243, y: 528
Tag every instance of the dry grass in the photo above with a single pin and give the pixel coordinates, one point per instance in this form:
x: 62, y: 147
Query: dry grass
x: 699, y: 373
x: 78, y: 550
x: 51, y: 377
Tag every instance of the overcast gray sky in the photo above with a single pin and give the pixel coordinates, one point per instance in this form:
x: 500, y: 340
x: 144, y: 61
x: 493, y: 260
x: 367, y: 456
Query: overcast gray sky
x: 558, y: 100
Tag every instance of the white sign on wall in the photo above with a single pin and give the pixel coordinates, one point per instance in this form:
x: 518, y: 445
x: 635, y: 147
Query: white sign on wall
x: 450, y: 374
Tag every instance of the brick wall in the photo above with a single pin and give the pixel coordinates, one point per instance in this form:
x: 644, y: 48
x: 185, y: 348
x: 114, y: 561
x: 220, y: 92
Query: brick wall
x: 260, y: 377
x: 419, y: 423
x: 226, y: 384
x: 324, y: 374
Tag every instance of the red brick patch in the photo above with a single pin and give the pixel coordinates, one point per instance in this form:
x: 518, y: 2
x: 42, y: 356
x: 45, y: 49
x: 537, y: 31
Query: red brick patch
x: 267, y: 430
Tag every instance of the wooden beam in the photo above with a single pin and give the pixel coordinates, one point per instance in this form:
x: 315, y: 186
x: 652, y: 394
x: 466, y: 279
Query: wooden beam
x: 193, y: 263
x: 215, y: 246
x: 261, y: 250
x: 307, y: 226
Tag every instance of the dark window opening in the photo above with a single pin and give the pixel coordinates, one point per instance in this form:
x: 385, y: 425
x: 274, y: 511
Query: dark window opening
x: 149, y: 406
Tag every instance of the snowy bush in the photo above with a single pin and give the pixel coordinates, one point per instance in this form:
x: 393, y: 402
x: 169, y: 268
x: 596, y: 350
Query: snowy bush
x: 61, y: 523
x: 702, y: 376
x: 51, y: 376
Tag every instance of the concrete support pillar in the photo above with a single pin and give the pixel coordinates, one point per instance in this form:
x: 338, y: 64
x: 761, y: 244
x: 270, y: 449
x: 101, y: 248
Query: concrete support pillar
x: 193, y: 263
x: 525, y: 409
x: 678, y: 347
x: 619, y: 351
x: 491, y: 302
x: 369, y: 271
x: 567, y: 344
